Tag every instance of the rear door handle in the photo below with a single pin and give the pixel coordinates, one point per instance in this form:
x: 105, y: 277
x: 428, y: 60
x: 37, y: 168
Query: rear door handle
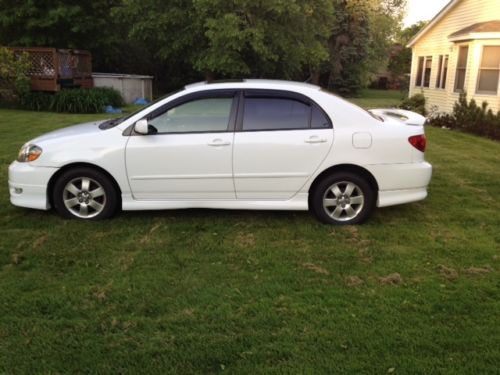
x: 219, y: 142
x: 315, y: 139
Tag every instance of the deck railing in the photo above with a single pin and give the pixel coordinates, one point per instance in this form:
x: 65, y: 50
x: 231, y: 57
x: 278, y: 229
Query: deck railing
x: 52, y: 69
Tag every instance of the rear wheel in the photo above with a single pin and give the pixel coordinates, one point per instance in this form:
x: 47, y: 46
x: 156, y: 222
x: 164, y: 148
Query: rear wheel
x: 343, y: 198
x: 86, y: 194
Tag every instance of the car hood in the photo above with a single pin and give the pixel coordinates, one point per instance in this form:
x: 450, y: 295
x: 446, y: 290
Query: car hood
x: 79, y: 130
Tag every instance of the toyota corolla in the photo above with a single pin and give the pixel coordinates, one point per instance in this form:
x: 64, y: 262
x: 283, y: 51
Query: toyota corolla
x: 252, y: 144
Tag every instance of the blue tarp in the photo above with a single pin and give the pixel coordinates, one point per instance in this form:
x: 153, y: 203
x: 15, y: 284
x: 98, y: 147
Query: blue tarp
x: 111, y: 109
x: 141, y: 101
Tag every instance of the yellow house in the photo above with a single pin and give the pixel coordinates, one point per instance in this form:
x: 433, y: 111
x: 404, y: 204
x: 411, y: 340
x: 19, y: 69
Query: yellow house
x: 458, y: 50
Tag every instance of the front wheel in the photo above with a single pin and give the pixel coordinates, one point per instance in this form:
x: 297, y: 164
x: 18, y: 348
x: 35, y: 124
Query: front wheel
x: 343, y: 198
x: 84, y: 193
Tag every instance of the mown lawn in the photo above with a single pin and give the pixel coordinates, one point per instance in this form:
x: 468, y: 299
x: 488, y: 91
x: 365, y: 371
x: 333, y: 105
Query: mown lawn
x: 370, y: 98
x: 202, y: 291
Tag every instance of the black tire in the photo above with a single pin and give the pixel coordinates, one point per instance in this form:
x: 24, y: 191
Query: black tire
x: 106, y: 202
x: 362, y: 211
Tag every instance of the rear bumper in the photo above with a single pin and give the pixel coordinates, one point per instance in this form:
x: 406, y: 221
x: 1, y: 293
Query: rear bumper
x: 401, y: 183
x: 28, y: 185
x: 393, y: 197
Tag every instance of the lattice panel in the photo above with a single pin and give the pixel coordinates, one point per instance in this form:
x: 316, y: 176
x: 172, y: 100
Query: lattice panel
x: 42, y: 63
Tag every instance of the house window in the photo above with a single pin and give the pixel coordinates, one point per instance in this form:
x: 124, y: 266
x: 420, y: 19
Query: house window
x: 489, y: 70
x: 424, y: 71
x: 442, y: 72
x: 427, y: 71
x: 461, y: 68
x: 420, y: 68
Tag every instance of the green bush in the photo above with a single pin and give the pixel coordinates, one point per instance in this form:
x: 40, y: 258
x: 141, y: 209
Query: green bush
x: 416, y: 103
x: 470, y: 117
x: 73, y: 100
x: 37, y: 101
x: 112, y: 96
x: 14, y: 79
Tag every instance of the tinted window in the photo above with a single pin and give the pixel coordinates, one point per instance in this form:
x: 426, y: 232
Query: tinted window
x: 202, y: 115
x: 275, y: 113
x: 319, y: 119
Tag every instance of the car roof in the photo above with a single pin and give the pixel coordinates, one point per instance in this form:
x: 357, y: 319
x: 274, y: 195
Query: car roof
x: 252, y: 83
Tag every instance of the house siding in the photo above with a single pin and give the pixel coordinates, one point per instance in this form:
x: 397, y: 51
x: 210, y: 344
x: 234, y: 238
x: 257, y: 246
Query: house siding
x: 435, y: 42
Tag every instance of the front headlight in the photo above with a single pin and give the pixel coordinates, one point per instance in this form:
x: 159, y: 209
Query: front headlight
x: 29, y: 153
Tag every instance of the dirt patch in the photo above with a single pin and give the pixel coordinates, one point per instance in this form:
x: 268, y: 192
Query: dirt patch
x: 392, y: 279
x: 17, y: 259
x: 126, y: 262
x: 147, y: 237
x: 244, y: 240
x: 188, y: 312
x: 315, y: 268
x: 353, y: 281
x: 448, y: 273
x: 352, y: 229
x: 478, y: 270
x: 364, y: 255
x: 100, y: 293
x: 39, y: 241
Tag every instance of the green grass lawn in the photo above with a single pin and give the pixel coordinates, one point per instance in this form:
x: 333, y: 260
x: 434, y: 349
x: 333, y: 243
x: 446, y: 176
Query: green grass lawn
x: 379, y: 98
x: 200, y: 291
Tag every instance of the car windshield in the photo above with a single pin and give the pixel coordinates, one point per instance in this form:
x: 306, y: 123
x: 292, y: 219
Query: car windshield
x: 111, y: 123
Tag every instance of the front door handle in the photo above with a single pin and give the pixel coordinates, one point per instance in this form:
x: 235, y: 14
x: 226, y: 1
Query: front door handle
x: 219, y: 142
x: 315, y: 139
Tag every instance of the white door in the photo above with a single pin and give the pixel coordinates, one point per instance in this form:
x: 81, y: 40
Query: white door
x: 188, y: 153
x: 279, y: 143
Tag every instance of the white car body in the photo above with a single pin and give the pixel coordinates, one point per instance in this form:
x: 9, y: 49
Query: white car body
x: 233, y: 169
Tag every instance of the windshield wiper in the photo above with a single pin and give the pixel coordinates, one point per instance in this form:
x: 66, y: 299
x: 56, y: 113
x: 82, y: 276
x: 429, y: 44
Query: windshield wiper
x: 108, y: 124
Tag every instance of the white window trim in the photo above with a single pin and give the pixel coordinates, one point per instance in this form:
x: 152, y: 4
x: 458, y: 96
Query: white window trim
x: 482, y: 92
x: 464, y: 89
x: 422, y: 72
x: 442, y: 79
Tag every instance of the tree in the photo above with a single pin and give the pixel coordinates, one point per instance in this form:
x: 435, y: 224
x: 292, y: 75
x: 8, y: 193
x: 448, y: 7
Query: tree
x: 222, y: 38
x: 333, y: 42
x: 86, y: 24
x: 360, y: 39
x: 400, y: 63
x: 14, y: 80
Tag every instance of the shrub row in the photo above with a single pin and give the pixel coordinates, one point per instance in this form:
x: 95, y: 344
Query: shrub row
x: 81, y: 100
x: 416, y: 103
x: 471, y: 118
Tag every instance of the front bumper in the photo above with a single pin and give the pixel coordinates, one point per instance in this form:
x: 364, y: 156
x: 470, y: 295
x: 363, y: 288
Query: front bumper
x: 28, y: 185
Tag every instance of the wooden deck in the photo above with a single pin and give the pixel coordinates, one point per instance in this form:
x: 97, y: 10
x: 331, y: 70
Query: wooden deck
x: 52, y: 69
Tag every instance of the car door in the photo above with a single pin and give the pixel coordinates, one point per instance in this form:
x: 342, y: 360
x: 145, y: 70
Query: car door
x: 280, y: 140
x: 187, y: 154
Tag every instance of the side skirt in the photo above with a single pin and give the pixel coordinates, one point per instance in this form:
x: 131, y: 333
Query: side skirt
x: 297, y: 203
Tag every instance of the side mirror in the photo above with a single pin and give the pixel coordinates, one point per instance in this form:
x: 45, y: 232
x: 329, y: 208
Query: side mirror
x: 141, y: 127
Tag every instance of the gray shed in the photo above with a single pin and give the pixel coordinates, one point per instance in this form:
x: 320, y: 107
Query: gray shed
x: 131, y: 86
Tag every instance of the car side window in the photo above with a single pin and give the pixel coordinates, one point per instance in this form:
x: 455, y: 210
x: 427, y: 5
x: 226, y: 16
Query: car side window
x: 319, y: 119
x: 275, y: 113
x: 199, y: 115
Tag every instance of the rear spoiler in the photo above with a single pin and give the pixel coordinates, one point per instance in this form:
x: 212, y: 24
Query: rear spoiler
x: 406, y: 117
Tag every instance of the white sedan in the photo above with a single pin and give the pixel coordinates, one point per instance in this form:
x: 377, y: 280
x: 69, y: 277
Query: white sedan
x: 249, y: 144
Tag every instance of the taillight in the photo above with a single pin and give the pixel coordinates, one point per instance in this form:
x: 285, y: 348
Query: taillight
x: 418, y: 141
